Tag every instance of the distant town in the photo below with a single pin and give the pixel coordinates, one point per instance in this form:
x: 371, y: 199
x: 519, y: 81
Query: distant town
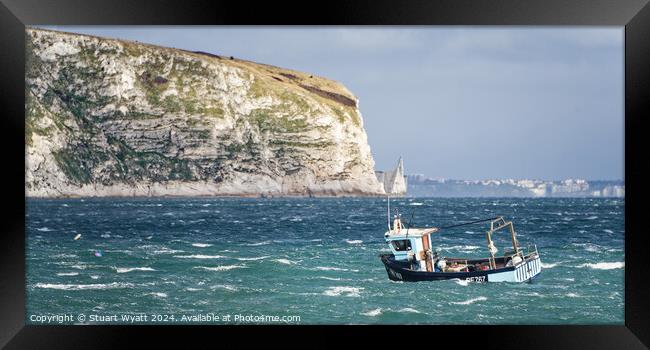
x: 396, y: 183
x: 419, y: 185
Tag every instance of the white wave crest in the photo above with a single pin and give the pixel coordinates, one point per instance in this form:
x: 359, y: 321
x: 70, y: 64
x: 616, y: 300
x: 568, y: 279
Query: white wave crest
x: 330, y: 278
x: 158, y: 294
x: 355, y: 241
x: 408, y: 309
x: 201, y: 245
x: 590, y: 247
x: 470, y: 301
x: 284, y: 261
x: 225, y: 286
x: 129, y: 269
x: 460, y: 247
x: 67, y: 273
x: 221, y: 268
x: 461, y: 282
x: 604, y: 265
x: 257, y: 244
x: 167, y: 251
x: 200, y: 256
x: 549, y: 266
x: 343, y: 291
x: 254, y: 258
x: 372, y: 313
x: 114, y: 285
x: 44, y: 229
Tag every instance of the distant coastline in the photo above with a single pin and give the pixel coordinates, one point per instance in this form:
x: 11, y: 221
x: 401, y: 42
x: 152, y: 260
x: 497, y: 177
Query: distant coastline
x: 421, y: 186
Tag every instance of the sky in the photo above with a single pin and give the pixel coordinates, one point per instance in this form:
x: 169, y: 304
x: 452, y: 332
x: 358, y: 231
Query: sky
x: 455, y: 102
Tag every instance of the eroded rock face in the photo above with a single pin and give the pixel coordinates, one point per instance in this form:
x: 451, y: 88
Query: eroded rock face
x: 116, y: 118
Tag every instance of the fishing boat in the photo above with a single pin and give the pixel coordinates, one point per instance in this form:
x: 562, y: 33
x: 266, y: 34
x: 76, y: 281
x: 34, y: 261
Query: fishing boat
x: 412, y: 259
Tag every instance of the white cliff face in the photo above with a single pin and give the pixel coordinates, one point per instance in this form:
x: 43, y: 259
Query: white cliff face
x: 115, y: 118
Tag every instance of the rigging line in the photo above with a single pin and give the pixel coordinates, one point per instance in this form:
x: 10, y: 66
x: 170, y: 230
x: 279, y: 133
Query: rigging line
x: 468, y: 223
x: 410, y: 221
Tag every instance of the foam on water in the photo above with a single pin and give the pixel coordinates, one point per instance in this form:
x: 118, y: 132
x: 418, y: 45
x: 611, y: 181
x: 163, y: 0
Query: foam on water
x: 461, y: 282
x: 604, y: 265
x: 113, y: 285
x: 257, y: 244
x: 200, y: 256
x: 221, y: 268
x: 129, y: 269
x: 408, y: 309
x: 253, y: 258
x: 225, y: 286
x: 330, y: 278
x: 356, y: 241
x: 372, y: 313
x: 284, y: 261
x: 158, y: 294
x: 167, y: 251
x: 470, y: 301
x: 201, y: 245
x: 67, y: 273
x: 343, y: 291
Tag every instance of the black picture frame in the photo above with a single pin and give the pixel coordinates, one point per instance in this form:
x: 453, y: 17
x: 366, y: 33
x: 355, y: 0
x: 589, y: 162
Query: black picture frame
x: 634, y: 15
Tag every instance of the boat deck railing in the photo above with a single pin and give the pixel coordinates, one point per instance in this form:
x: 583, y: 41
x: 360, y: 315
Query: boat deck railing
x: 530, y: 251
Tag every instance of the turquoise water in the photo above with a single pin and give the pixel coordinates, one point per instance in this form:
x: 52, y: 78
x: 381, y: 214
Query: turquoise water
x: 313, y: 258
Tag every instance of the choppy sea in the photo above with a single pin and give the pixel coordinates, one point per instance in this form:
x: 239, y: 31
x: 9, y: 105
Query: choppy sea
x: 312, y: 258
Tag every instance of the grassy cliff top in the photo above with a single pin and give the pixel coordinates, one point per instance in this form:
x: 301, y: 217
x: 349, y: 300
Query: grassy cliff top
x: 270, y: 77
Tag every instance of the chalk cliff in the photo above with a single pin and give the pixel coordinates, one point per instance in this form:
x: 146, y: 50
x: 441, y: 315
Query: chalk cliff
x: 110, y: 117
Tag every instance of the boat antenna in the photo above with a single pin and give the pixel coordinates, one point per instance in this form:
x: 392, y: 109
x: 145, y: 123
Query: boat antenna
x: 410, y: 221
x: 388, y: 213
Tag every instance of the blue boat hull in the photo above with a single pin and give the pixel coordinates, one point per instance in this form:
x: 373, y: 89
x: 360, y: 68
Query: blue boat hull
x: 401, y: 271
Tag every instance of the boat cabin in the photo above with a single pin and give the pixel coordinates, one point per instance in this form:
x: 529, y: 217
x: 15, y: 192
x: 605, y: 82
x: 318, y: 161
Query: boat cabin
x: 411, y: 244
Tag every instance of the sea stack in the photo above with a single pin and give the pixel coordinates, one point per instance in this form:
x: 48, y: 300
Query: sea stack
x: 394, y: 180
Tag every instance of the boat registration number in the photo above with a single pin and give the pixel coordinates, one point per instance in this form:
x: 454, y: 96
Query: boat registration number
x: 476, y: 279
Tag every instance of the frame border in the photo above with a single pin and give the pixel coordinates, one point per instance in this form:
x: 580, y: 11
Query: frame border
x: 633, y: 14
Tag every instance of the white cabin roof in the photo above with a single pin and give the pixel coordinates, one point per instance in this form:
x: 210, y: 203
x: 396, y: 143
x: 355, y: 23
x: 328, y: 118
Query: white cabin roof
x: 412, y: 232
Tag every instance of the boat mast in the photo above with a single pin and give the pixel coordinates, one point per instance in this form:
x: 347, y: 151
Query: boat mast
x: 388, y: 213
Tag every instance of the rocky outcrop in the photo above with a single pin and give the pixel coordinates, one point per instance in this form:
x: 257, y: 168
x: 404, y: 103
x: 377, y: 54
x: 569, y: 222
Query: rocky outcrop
x: 393, y: 181
x: 117, y: 118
